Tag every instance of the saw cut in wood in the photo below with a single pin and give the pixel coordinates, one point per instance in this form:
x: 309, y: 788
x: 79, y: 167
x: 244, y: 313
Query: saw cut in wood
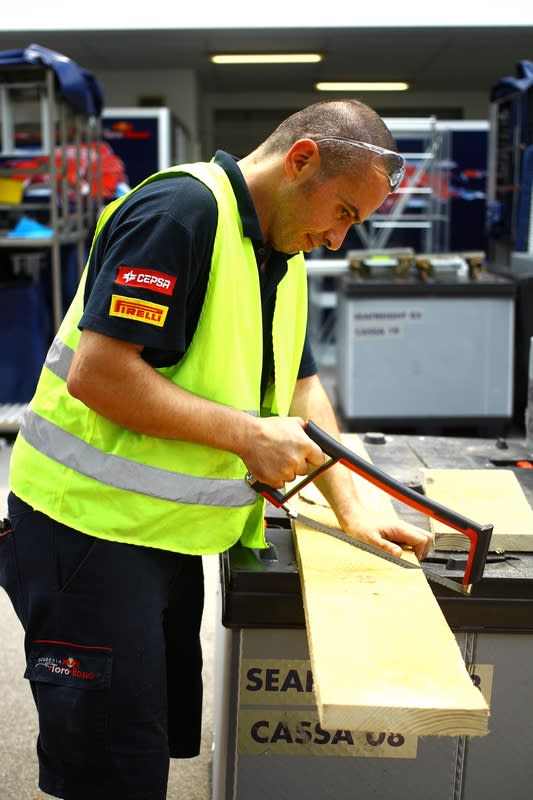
x: 479, y: 535
x: 382, y: 654
x: 485, y: 494
x: 371, y: 496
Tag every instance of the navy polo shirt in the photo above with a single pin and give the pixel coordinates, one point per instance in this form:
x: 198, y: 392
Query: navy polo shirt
x: 149, y: 268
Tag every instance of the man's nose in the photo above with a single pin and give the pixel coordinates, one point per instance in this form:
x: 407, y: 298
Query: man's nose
x: 334, y: 237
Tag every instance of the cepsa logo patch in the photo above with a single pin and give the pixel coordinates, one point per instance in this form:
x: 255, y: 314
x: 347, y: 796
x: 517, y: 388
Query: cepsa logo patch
x: 146, y: 279
x: 139, y: 310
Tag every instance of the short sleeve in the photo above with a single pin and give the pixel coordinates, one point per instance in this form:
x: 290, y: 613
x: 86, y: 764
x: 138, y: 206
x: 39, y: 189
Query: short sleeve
x: 149, y: 266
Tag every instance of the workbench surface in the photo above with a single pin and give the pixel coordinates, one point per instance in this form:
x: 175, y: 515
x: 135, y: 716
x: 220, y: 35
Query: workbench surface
x: 262, y: 588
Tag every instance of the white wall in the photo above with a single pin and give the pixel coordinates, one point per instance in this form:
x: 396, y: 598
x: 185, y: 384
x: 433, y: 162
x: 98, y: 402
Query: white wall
x: 177, y: 86
x: 197, y: 110
x: 247, y: 135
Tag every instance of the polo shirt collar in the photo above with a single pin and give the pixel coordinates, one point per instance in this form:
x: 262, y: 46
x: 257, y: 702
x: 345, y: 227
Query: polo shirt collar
x: 250, y: 223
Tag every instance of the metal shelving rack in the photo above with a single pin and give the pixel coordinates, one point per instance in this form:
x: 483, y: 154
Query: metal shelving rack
x: 511, y: 126
x: 426, y: 148
x: 29, y: 92
x: 65, y: 155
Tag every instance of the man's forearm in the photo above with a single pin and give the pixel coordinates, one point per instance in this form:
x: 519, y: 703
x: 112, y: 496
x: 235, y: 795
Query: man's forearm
x: 112, y: 378
x: 311, y: 402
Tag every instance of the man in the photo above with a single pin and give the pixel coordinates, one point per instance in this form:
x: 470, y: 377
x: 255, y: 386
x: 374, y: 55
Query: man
x: 182, y: 365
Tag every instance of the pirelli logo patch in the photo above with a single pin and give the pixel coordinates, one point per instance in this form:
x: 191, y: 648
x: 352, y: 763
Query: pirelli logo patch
x: 146, y: 279
x: 139, y: 310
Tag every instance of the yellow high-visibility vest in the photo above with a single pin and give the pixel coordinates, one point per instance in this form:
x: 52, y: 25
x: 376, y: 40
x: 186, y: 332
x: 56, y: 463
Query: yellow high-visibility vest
x: 86, y: 472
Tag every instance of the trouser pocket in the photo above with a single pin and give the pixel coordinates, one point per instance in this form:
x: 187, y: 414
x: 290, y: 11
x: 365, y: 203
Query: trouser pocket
x: 9, y: 577
x: 70, y: 683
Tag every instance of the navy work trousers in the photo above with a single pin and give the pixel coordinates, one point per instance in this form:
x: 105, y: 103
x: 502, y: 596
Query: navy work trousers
x: 113, y: 656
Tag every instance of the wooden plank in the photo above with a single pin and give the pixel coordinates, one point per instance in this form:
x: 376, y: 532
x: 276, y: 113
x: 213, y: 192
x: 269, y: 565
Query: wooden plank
x: 371, y: 496
x: 382, y: 654
x: 485, y: 496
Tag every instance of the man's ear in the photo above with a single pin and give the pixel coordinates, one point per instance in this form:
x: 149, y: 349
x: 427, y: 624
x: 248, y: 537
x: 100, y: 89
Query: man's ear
x: 303, y: 157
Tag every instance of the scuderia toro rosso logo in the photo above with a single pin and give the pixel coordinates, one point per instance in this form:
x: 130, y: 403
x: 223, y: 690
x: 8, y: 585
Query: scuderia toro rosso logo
x: 70, y: 667
x: 146, y: 279
x: 68, y: 664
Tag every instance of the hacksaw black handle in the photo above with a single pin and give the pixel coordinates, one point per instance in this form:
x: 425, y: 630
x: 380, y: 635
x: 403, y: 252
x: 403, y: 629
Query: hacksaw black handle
x: 479, y: 535
x: 274, y: 496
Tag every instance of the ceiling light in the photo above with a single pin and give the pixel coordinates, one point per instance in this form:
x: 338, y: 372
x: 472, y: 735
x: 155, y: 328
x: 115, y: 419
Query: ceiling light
x: 352, y: 86
x: 266, y: 58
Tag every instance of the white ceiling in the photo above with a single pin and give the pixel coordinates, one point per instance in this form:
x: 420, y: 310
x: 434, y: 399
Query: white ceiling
x: 102, y: 15
x: 430, y: 59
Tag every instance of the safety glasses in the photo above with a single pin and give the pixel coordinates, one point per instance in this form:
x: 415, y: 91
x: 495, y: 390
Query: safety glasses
x: 389, y: 163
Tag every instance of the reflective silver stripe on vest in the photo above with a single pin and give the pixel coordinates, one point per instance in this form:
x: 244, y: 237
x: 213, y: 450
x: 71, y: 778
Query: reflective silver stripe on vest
x: 121, y: 473
x: 59, y: 359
